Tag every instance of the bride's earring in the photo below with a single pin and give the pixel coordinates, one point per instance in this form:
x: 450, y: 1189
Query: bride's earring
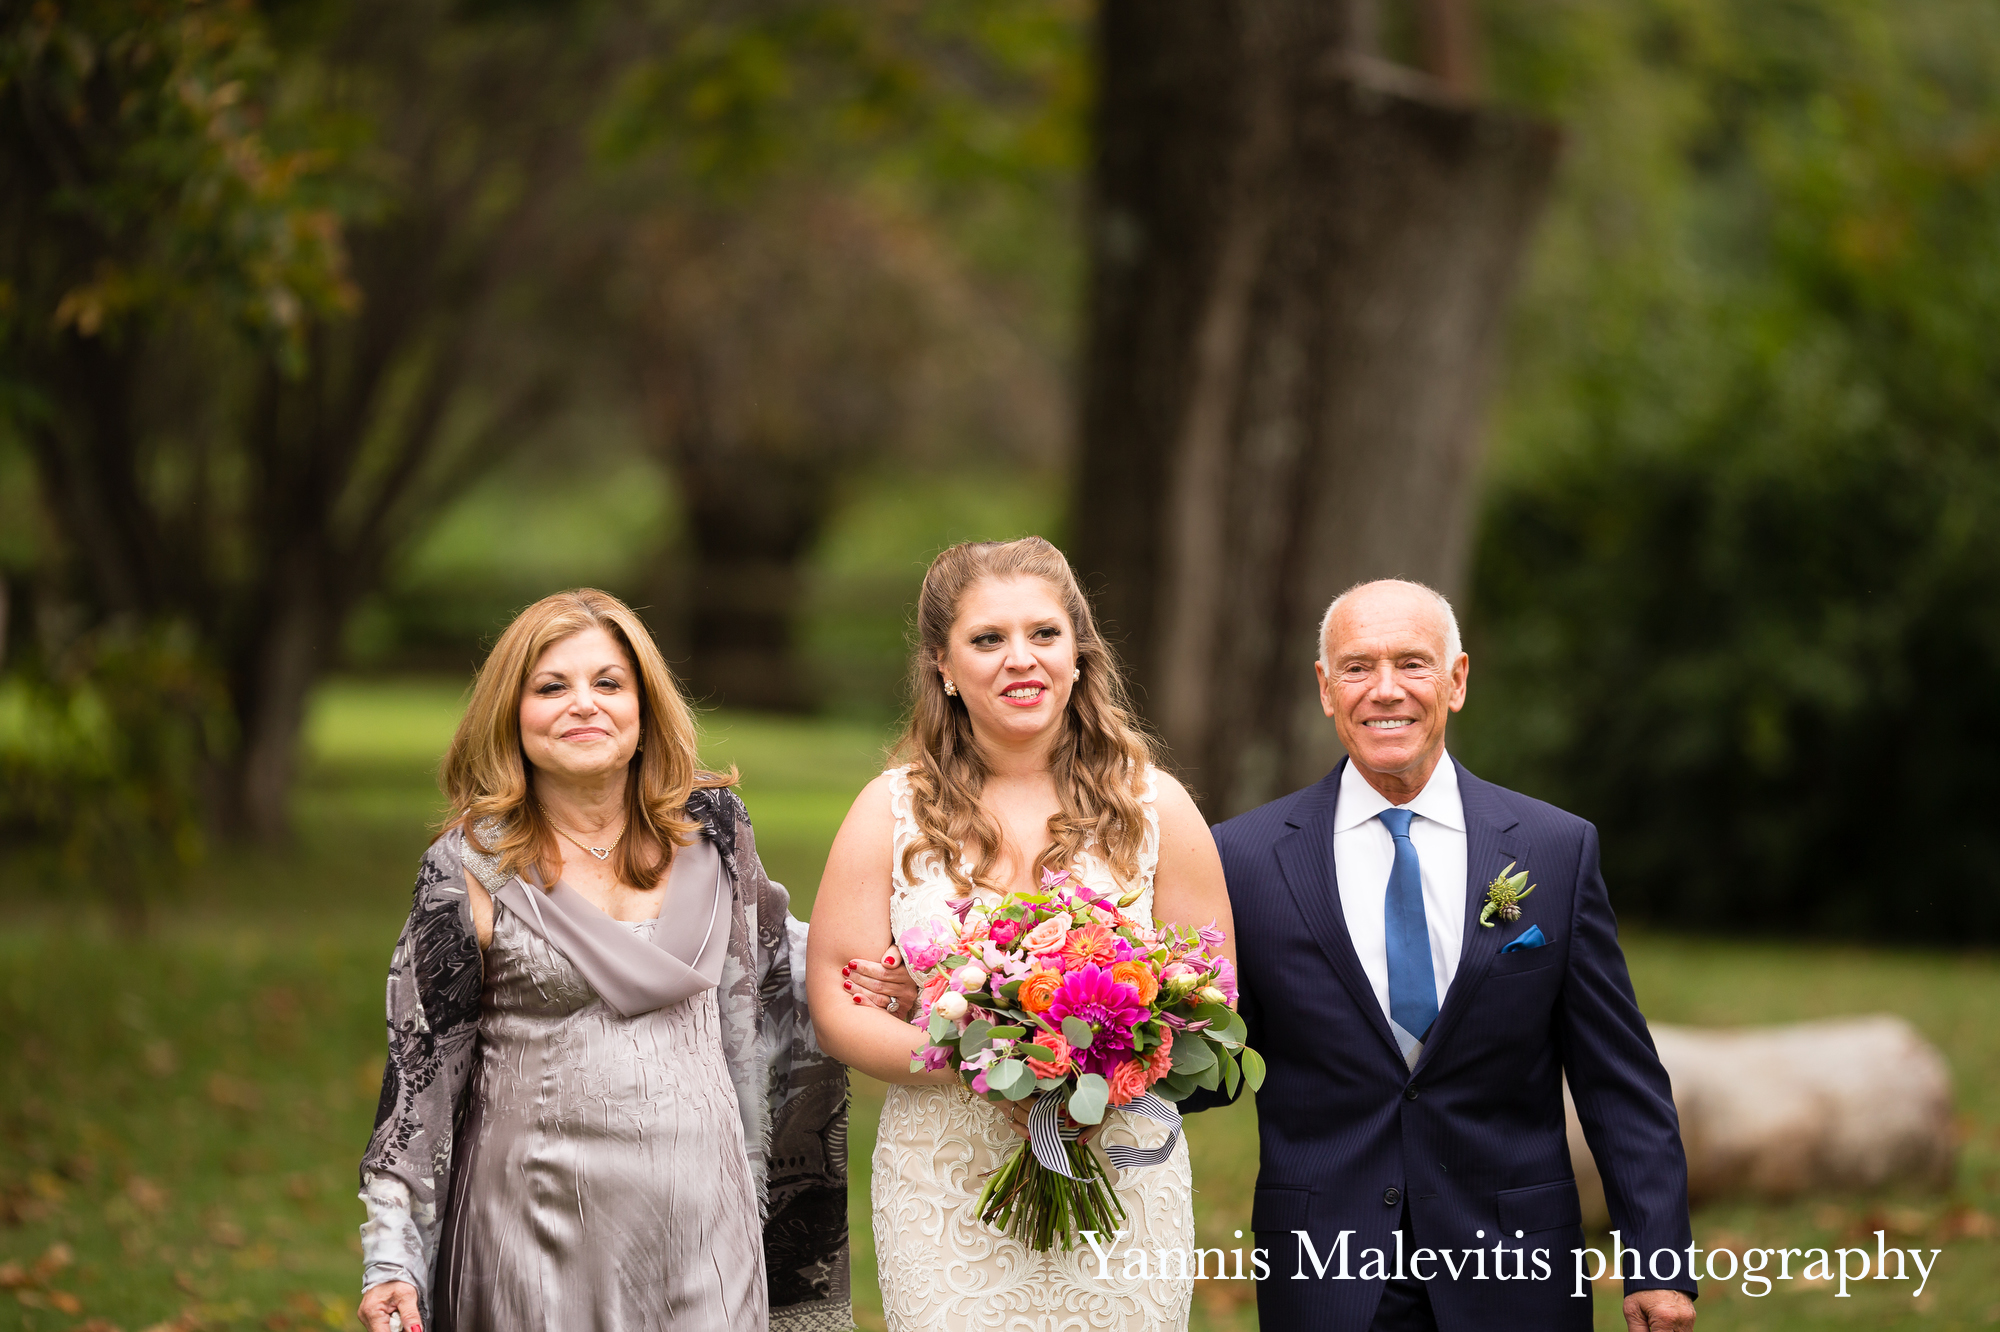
x: 951, y: 689
x: 1076, y: 675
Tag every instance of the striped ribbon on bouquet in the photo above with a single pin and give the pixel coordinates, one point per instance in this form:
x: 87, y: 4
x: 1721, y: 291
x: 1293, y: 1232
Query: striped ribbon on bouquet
x: 1047, y: 1134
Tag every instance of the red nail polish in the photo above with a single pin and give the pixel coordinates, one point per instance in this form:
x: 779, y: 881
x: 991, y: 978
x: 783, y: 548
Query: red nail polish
x: 889, y: 961
x: 857, y: 998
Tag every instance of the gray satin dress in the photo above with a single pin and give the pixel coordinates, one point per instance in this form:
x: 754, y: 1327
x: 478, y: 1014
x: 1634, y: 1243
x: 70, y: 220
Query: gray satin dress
x: 601, y: 1181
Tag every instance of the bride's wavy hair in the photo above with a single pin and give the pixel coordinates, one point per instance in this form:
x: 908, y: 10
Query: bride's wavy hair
x: 1099, y: 762
x: 486, y: 774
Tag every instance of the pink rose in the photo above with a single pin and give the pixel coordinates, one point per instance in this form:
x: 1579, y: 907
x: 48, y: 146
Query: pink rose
x: 1057, y: 1067
x: 1003, y: 932
x: 1048, y: 936
x: 1128, y: 1082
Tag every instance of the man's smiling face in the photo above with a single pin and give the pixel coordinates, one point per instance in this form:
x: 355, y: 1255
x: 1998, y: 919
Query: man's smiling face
x: 1385, y: 681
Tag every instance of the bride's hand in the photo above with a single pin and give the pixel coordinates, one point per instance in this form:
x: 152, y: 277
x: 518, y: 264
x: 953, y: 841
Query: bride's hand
x: 886, y: 984
x: 1017, y: 1119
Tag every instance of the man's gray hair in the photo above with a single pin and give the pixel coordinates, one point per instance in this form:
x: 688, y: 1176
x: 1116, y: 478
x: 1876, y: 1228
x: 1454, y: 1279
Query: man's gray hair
x: 1453, y: 645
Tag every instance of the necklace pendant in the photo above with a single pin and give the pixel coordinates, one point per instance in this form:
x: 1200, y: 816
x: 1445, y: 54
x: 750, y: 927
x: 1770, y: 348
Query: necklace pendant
x: 601, y: 852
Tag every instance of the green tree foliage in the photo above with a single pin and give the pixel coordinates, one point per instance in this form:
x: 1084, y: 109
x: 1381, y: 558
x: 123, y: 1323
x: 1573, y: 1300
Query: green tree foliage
x: 102, y: 755
x: 1737, y: 594
x: 143, y: 167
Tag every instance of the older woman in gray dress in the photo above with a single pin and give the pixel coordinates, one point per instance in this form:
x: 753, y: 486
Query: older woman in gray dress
x: 602, y: 1107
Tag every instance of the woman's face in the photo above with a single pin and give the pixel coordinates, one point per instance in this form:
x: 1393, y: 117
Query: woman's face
x: 580, y: 707
x: 1012, y: 654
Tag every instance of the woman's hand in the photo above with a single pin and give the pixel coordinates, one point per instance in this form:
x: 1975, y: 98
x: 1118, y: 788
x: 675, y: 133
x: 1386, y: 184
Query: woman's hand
x: 886, y: 984
x: 1017, y: 1113
x: 391, y: 1297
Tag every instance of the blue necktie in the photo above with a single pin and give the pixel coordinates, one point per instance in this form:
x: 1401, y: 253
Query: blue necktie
x: 1413, y: 1004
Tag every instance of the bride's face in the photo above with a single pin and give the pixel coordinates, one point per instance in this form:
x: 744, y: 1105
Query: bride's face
x: 1012, y: 654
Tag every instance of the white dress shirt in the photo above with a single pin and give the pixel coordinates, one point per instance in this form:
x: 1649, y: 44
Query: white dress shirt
x: 1364, y: 853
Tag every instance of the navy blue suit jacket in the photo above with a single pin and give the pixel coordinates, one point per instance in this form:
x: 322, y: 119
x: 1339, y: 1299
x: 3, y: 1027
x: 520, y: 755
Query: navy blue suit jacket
x: 1472, y: 1139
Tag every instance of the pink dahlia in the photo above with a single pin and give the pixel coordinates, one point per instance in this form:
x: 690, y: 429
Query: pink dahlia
x: 1111, y: 1008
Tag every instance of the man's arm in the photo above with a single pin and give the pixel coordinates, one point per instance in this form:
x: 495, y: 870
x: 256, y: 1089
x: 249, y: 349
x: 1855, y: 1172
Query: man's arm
x: 1623, y: 1097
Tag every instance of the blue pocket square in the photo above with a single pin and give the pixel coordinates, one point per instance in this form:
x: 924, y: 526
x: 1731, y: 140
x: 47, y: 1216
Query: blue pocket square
x: 1530, y: 938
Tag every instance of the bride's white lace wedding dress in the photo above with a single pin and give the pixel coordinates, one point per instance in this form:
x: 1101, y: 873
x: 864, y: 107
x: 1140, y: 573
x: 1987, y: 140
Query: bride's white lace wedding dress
x: 942, y: 1269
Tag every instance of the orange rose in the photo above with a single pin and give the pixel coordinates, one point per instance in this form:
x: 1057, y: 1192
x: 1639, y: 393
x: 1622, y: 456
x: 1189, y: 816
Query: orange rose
x: 1039, y: 990
x: 1091, y: 943
x: 1140, y: 977
x: 1057, y: 1067
x: 1128, y: 1082
x: 1160, y: 1059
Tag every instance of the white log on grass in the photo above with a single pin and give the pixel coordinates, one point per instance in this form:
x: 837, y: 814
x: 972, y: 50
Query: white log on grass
x: 1838, y: 1106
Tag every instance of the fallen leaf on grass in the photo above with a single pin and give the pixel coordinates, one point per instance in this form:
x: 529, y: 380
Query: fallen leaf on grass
x: 97, y: 1325
x: 11, y: 1276
x: 53, y: 1260
x: 160, y: 1059
x: 233, y: 1093
x: 145, y: 1194
x: 1965, y: 1223
x: 66, y: 1302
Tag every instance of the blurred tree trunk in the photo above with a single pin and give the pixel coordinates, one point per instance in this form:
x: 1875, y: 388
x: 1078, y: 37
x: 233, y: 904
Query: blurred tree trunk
x: 1301, y: 257
x: 753, y: 510
x: 791, y: 342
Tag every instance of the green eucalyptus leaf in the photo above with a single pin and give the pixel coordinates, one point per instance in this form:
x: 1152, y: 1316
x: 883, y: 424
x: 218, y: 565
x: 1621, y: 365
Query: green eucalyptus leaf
x: 977, y: 1033
x: 1253, y: 1068
x: 1078, y: 1033
x: 1087, y: 1103
x: 1011, y: 1078
x: 1192, y: 1055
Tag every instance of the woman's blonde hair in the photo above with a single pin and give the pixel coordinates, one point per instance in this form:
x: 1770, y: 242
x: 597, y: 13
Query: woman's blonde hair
x: 486, y: 773
x: 1098, y: 763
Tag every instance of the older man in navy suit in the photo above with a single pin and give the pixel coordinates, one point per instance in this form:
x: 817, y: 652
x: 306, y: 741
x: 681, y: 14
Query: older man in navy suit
x: 1415, y: 1173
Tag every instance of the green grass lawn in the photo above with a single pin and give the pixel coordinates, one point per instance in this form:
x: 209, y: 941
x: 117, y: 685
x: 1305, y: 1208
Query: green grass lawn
x: 182, y: 1114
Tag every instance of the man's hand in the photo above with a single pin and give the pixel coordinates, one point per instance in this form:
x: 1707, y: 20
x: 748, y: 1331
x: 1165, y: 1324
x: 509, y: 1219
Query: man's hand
x: 1659, y: 1311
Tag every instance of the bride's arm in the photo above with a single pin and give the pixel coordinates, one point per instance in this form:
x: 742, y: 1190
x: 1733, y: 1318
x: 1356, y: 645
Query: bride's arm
x: 850, y: 919
x: 1188, y: 889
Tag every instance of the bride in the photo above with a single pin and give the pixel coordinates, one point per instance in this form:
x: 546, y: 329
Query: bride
x: 1021, y: 755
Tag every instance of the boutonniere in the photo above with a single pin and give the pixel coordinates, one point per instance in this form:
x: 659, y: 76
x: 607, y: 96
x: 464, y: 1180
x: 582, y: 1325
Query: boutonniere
x: 1503, y: 897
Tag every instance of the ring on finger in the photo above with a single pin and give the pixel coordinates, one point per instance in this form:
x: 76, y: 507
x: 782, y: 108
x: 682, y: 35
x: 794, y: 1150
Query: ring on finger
x: 894, y: 1003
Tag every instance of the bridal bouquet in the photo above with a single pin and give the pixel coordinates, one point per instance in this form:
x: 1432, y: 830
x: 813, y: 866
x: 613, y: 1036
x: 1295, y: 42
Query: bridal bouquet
x: 1058, y: 995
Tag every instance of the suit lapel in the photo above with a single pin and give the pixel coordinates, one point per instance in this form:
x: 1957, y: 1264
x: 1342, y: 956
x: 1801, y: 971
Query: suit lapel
x: 1306, y: 858
x: 1492, y: 839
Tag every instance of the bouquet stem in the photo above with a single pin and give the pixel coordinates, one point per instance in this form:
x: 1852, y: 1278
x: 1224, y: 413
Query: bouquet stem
x: 1044, y: 1210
